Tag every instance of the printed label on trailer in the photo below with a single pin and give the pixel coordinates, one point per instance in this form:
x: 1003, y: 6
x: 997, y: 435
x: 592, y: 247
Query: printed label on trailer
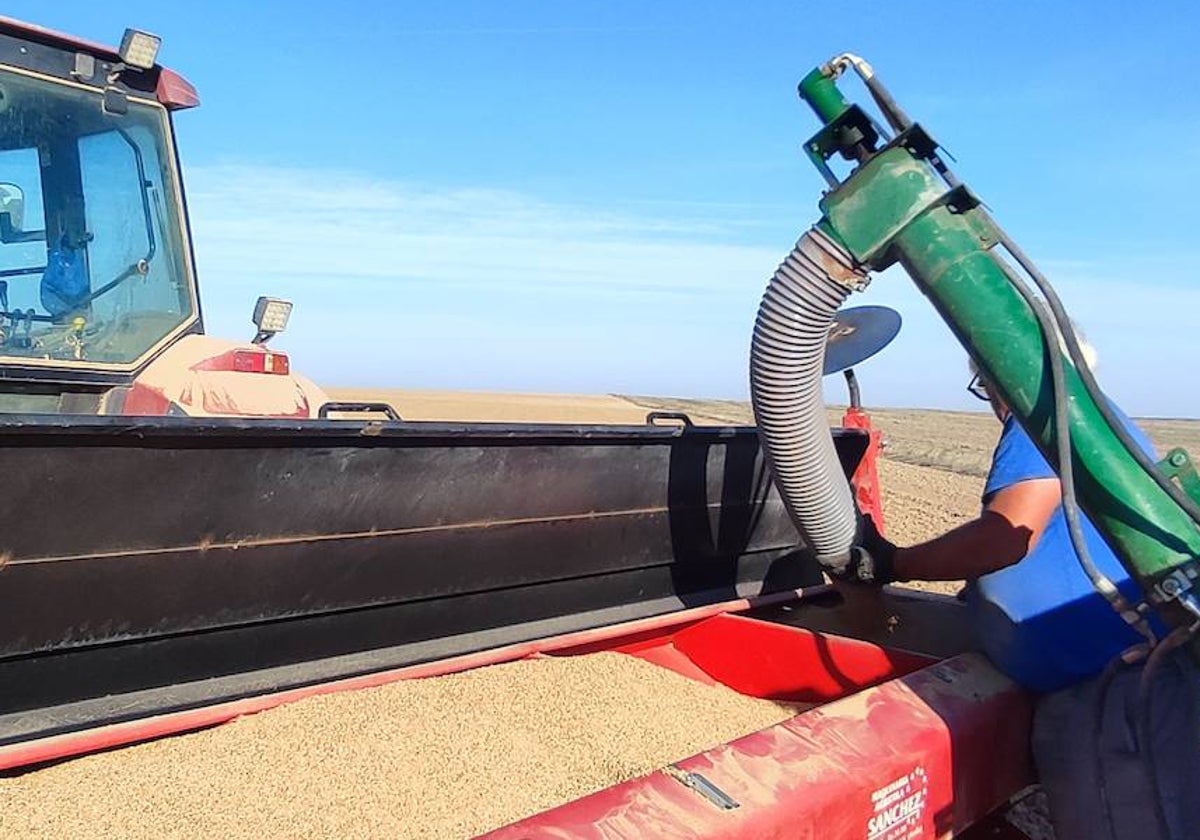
x: 898, y: 808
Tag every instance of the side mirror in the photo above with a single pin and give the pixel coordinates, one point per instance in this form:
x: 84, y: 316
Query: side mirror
x: 12, y: 213
x: 270, y: 317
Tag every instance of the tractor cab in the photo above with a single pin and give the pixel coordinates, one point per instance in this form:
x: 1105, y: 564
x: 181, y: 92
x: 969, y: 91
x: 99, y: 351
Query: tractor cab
x: 98, y: 297
x: 93, y: 272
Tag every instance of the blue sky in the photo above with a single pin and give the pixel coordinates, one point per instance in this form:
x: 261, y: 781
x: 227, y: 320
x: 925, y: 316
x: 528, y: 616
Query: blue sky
x: 591, y: 196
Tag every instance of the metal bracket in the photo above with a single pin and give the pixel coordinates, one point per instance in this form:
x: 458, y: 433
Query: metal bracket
x: 85, y: 67
x: 852, y: 127
x: 702, y: 786
x: 358, y: 407
x: 656, y: 418
x: 1178, y: 465
x: 115, y: 101
x: 1178, y: 585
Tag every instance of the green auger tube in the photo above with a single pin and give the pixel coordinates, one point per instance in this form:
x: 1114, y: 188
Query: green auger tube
x: 900, y: 205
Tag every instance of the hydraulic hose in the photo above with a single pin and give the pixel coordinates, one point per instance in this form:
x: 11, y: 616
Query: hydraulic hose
x: 1100, y: 582
x: 787, y: 357
x: 1054, y: 323
x: 1089, y: 381
x: 1058, y: 311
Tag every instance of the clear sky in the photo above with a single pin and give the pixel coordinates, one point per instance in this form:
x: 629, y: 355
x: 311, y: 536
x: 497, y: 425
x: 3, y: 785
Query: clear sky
x: 590, y: 196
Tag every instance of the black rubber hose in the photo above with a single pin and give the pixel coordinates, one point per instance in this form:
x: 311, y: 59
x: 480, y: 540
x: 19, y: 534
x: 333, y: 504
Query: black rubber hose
x: 1189, y: 506
x: 787, y: 358
x: 1054, y: 323
x: 1062, y: 427
x: 1089, y: 381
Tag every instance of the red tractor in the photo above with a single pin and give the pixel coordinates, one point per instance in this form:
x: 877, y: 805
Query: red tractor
x: 99, y: 305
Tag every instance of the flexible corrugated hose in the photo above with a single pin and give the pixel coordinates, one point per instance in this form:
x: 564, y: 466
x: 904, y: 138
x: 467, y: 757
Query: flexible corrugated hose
x: 786, y: 360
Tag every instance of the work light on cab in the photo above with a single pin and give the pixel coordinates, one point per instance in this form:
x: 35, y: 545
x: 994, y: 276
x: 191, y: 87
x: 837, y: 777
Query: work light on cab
x: 139, y: 49
x: 270, y: 317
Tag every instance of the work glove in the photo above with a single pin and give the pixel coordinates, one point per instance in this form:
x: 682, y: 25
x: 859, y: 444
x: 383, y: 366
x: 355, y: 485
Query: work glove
x: 870, y: 560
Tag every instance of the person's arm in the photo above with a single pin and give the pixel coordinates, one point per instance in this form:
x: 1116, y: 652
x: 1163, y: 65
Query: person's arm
x: 1009, y: 527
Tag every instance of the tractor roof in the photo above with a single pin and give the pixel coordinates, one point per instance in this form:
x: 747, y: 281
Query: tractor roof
x: 171, y: 89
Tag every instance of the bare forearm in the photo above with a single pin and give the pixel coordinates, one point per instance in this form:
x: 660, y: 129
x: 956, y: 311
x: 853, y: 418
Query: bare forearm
x: 983, y: 545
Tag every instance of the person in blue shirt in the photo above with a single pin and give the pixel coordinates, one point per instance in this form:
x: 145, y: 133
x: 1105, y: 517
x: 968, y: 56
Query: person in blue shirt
x: 1034, y: 609
x: 1039, y: 620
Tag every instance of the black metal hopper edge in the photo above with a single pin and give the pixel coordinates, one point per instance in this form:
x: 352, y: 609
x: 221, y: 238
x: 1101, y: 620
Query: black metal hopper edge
x: 634, y: 566
x: 73, y: 426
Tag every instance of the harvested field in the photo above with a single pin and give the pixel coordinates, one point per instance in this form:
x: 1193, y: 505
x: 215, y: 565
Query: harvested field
x: 445, y: 757
x: 921, y: 502
x: 954, y: 441
x: 962, y: 442
x: 500, y: 408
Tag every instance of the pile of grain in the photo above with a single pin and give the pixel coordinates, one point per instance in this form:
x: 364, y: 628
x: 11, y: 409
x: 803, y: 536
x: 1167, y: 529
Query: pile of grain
x: 445, y: 757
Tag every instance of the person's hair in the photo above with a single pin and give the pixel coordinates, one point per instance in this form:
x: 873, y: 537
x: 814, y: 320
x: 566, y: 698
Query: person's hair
x: 1088, y: 352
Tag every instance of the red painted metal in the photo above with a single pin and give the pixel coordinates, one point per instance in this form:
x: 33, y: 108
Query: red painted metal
x: 33, y: 32
x: 865, y: 480
x: 144, y: 401
x: 779, y: 662
x: 28, y: 753
x: 922, y: 756
x: 924, y: 752
x: 764, y: 659
x: 176, y: 92
x: 199, y: 375
x: 666, y: 655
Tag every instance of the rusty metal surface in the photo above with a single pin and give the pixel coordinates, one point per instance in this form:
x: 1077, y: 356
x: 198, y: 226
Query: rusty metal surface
x: 833, y: 260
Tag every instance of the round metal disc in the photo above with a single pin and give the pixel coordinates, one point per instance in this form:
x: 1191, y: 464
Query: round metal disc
x: 857, y: 334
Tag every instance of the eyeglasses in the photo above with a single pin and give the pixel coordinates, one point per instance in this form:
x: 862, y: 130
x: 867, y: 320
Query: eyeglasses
x: 978, y: 390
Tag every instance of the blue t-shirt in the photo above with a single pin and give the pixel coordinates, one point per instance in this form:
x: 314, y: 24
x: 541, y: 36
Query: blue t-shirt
x: 1040, y: 620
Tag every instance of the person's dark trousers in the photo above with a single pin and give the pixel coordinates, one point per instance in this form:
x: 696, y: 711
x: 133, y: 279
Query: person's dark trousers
x: 1101, y: 781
